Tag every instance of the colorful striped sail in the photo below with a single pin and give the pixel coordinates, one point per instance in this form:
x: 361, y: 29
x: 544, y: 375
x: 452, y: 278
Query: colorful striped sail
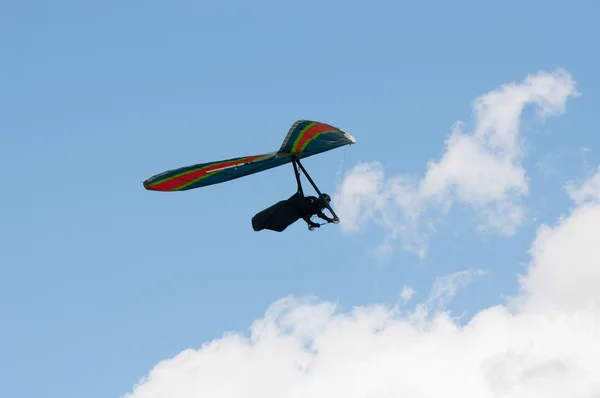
x: 305, y: 138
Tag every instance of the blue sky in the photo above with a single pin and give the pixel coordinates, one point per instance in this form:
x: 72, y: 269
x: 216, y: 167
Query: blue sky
x: 101, y: 280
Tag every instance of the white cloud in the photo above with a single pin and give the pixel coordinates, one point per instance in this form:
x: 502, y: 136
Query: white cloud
x: 445, y: 288
x: 297, y: 347
x: 407, y: 293
x: 365, y: 195
x: 481, y: 169
x: 588, y: 191
x: 565, y: 267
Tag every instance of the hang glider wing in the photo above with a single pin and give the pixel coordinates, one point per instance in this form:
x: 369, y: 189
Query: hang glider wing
x: 305, y: 138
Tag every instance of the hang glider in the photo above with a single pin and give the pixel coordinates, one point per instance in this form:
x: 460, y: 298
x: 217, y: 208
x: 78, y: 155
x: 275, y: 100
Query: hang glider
x: 305, y: 138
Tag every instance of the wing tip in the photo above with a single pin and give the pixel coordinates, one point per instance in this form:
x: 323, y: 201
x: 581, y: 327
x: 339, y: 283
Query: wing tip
x: 348, y: 135
x: 151, y: 184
